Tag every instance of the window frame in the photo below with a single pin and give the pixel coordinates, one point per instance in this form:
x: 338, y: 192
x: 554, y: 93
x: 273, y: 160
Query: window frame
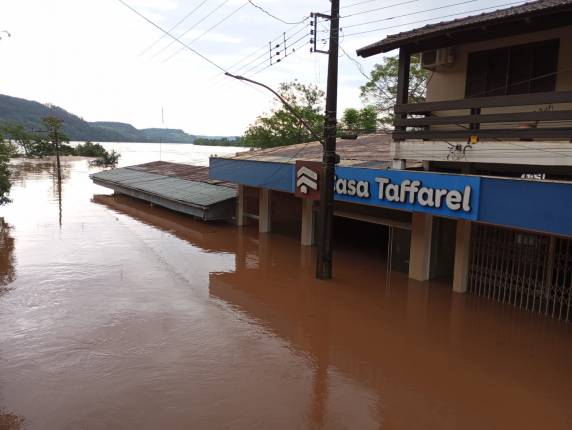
x: 510, y: 51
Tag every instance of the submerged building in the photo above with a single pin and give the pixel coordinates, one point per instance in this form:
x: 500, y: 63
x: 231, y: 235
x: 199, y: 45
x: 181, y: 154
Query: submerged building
x: 474, y: 184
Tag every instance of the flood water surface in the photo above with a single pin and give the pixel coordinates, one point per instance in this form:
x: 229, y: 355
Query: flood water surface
x: 117, y: 315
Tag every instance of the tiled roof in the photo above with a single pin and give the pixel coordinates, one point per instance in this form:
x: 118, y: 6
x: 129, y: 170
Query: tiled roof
x: 371, y: 151
x: 433, y: 30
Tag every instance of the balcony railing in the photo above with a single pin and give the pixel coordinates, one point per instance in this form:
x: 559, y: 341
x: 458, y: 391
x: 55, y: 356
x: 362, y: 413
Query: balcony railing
x: 426, y: 121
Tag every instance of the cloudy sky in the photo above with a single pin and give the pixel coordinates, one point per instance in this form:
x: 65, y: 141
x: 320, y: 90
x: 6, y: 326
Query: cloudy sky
x: 101, y: 61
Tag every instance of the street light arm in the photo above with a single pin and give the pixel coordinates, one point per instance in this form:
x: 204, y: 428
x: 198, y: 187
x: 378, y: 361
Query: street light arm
x: 284, y: 102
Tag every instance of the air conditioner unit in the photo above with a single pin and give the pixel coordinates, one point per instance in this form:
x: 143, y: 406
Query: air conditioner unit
x: 430, y: 60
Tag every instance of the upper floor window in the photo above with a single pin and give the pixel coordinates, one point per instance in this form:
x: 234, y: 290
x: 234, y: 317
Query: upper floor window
x: 519, y: 69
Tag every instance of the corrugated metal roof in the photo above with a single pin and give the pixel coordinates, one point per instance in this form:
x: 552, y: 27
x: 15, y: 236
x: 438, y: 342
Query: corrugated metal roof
x: 433, y: 30
x: 181, y: 171
x: 181, y: 190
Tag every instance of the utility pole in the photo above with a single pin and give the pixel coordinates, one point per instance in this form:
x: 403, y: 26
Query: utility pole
x: 330, y: 158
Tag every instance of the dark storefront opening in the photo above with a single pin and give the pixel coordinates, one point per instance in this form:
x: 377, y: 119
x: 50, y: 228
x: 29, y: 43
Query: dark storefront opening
x: 353, y: 235
x: 443, y: 249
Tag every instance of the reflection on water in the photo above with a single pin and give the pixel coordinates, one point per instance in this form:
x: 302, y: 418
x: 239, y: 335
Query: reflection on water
x: 131, y: 316
x: 10, y: 422
x: 7, y: 266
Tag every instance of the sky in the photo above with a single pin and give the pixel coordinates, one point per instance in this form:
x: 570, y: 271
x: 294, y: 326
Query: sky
x: 101, y: 61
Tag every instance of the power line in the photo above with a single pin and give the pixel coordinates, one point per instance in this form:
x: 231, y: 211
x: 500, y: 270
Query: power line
x: 173, y: 27
x: 175, y: 39
x: 265, y: 53
x: 411, y: 13
x: 258, y: 63
x: 357, y: 3
x: 293, y: 46
x: 192, y: 27
x: 402, y: 3
x: 265, y: 47
x: 240, y: 78
x: 208, y: 30
x: 431, y: 19
x: 273, y: 16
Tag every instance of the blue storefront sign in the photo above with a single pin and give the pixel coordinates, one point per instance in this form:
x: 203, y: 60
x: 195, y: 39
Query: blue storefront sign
x: 542, y: 206
x: 455, y: 196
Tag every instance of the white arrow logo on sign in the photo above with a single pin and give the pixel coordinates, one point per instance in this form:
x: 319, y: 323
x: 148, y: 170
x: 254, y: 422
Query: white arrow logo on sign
x: 306, y: 178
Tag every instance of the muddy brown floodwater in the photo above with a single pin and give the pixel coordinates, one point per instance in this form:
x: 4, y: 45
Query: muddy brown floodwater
x: 132, y: 317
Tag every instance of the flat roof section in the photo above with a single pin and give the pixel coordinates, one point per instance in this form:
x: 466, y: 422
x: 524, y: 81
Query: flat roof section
x: 169, y: 185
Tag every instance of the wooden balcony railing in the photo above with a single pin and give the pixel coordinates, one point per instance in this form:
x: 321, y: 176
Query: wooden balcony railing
x: 526, y: 125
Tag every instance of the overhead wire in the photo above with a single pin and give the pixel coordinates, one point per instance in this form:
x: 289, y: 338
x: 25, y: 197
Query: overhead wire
x: 272, y: 15
x: 183, y: 19
x: 175, y: 39
x: 433, y: 18
x: 266, y: 54
x: 402, y: 3
x: 447, y: 6
x: 266, y: 47
x: 208, y: 30
x: 295, y: 45
x: 208, y: 15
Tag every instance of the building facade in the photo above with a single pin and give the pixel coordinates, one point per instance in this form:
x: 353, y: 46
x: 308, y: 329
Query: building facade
x: 475, y: 184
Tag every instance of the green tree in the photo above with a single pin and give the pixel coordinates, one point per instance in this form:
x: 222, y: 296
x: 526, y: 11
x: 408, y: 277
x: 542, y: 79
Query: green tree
x: 381, y: 89
x: 280, y: 127
x: 5, y: 184
x: 368, y: 119
x: 359, y: 121
x: 350, y: 119
x: 23, y: 138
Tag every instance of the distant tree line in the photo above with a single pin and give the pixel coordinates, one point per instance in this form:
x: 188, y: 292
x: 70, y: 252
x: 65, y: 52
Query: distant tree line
x: 19, y: 141
x: 16, y: 141
x: 223, y: 141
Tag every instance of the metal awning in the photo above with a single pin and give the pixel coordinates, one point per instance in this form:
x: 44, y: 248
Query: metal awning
x: 199, y: 199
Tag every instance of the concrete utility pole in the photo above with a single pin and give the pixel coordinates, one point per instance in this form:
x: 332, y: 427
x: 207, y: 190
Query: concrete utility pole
x: 330, y: 159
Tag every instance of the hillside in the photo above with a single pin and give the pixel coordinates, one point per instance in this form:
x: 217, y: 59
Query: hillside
x: 29, y: 113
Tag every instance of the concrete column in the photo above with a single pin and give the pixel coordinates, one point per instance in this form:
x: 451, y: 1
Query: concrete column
x: 264, y: 211
x: 462, y: 251
x: 240, y: 219
x: 398, y: 164
x: 308, y: 223
x: 420, y: 252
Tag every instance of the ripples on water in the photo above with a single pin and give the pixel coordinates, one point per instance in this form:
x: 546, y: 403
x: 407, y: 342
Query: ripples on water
x: 128, y: 316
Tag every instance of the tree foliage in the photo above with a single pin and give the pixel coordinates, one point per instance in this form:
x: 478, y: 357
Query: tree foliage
x: 20, y: 141
x: 280, y: 127
x: 360, y: 121
x: 381, y: 89
x: 5, y: 184
x: 222, y: 141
